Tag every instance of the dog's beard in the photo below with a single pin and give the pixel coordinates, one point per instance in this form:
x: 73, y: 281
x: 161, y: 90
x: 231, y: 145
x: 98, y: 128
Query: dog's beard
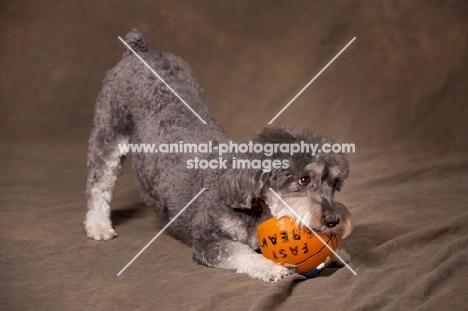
x: 308, y: 212
x: 305, y: 211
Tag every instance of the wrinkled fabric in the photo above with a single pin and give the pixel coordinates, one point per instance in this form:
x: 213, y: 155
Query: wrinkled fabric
x: 398, y: 92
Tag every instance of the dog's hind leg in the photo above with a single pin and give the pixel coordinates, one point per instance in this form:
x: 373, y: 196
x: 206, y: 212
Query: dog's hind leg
x: 110, y: 130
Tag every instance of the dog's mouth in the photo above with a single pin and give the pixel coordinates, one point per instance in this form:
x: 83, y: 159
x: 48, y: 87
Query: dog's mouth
x: 324, y: 229
x: 342, y: 229
x: 303, y: 210
x: 318, y: 223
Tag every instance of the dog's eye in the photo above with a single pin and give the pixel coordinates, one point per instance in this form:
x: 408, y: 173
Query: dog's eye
x: 335, y: 182
x: 304, y: 181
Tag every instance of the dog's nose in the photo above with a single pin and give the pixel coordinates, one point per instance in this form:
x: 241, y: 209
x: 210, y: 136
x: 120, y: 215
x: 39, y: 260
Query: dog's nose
x: 331, y: 220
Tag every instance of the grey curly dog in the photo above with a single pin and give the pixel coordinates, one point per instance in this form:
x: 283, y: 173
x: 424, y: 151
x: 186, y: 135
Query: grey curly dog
x: 135, y: 107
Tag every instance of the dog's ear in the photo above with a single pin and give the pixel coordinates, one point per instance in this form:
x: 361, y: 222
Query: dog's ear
x: 240, y: 186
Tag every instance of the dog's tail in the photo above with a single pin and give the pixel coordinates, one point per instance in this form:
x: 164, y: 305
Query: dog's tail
x: 135, y: 39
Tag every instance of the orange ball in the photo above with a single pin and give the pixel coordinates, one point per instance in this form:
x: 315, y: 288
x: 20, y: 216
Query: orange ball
x: 283, y: 242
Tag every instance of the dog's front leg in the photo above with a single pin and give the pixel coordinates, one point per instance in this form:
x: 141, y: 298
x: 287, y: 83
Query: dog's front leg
x: 234, y: 255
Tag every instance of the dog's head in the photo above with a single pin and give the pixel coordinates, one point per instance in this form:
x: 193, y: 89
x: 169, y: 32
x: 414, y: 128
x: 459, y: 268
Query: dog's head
x: 307, y: 184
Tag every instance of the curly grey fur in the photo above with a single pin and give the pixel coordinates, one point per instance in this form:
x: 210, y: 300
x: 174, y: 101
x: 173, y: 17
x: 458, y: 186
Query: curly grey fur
x: 134, y: 106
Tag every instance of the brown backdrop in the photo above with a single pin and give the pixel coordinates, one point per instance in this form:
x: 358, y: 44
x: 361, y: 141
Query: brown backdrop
x: 398, y: 92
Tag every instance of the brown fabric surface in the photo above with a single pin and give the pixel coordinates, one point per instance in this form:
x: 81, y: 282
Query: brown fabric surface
x: 398, y: 93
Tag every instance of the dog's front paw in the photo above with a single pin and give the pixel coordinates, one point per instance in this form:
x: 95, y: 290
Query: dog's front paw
x: 100, y: 232
x: 243, y: 259
x: 267, y: 270
x: 276, y: 274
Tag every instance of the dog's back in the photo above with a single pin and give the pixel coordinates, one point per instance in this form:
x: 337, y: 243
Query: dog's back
x: 134, y: 106
x: 132, y: 91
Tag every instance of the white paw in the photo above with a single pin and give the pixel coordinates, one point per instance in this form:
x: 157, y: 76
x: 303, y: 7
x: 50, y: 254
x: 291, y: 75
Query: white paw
x: 100, y: 232
x: 275, y: 273
x: 265, y: 270
x: 242, y: 259
x: 98, y: 224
